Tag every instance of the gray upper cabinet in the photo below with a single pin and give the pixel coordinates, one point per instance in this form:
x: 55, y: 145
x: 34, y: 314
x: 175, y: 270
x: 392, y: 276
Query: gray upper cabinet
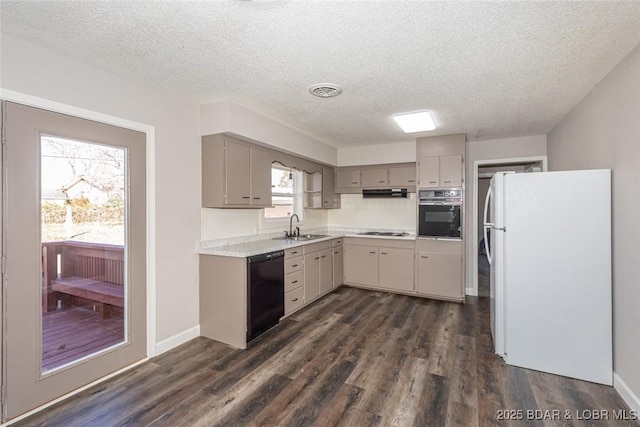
x: 440, y: 171
x: 234, y: 174
x: 237, y: 179
x: 319, y: 190
x: 328, y: 199
x: 374, y: 178
x: 348, y: 178
x: 402, y: 176
x: 353, y: 179
x: 451, y: 170
x: 260, y: 177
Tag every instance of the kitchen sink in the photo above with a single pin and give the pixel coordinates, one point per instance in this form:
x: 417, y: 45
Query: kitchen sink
x: 302, y: 237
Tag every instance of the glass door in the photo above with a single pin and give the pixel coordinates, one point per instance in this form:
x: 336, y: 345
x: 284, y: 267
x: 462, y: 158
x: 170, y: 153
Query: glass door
x: 75, y: 226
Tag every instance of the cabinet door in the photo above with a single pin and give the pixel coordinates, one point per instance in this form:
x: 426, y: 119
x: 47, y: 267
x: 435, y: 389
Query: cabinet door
x: 311, y: 276
x: 396, y: 269
x: 338, y: 266
x: 327, y: 187
x: 237, y: 174
x: 374, y: 178
x: 440, y: 275
x: 326, y: 271
x: 260, y: 177
x: 451, y: 171
x: 402, y: 177
x: 348, y: 178
x: 429, y: 172
x: 361, y: 265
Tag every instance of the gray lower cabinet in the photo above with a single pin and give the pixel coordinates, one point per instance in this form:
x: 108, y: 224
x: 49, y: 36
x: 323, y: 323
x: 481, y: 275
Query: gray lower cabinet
x: 440, y: 269
x: 380, y: 263
x: 395, y: 269
x: 361, y: 265
x: 338, y: 266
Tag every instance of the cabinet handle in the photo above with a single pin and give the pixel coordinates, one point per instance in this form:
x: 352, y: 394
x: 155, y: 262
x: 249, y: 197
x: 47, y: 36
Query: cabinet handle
x: 446, y: 180
x: 432, y: 182
x: 256, y: 198
x: 383, y: 253
x: 317, y: 257
x: 295, y: 281
x: 294, y: 265
x: 380, y: 182
x: 372, y: 252
x: 246, y: 197
x: 412, y: 180
x: 294, y: 300
x: 423, y: 256
x: 354, y: 182
x: 294, y: 252
x: 323, y: 256
x: 336, y: 252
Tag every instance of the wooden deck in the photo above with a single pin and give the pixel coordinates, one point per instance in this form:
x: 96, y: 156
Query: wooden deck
x: 75, y: 332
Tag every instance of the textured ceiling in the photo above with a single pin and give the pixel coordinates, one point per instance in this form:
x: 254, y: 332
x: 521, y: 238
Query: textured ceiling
x: 488, y: 69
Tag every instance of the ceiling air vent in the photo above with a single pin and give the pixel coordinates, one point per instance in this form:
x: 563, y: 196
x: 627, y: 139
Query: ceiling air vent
x: 325, y: 90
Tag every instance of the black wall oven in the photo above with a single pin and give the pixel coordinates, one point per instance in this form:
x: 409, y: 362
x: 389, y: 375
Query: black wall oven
x: 440, y: 213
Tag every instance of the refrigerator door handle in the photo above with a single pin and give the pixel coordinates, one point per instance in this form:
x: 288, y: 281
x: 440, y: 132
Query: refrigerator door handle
x: 487, y: 225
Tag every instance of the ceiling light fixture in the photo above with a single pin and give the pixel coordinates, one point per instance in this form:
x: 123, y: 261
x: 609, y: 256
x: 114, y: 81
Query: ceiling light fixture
x: 415, y: 122
x: 325, y: 90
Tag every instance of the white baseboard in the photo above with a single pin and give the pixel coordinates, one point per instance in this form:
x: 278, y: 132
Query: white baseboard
x: 177, y: 340
x: 626, y: 393
x: 471, y: 292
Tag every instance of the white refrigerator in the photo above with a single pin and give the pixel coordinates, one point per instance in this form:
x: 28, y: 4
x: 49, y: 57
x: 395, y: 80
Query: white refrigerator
x: 549, y: 245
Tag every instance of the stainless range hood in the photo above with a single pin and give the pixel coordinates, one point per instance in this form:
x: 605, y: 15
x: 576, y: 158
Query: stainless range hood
x: 385, y: 193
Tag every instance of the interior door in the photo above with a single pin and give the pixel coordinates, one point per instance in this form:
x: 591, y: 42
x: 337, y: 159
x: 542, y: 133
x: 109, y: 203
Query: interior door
x: 75, y: 270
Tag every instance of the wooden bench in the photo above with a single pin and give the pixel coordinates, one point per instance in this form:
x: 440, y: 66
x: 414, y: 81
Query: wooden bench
x: 100, y: 292
x: 92, y: 276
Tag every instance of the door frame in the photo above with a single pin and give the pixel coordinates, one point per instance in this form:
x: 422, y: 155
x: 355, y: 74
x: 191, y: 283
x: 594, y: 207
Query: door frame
x: 474, y: 223
x: 149, y: 131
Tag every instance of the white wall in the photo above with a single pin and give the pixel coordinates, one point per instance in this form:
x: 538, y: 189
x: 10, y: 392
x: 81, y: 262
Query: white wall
x: 493, y: 149
x: 32, y: 70
x: 603, y: 131
x: 230, y: 117
x: 393, y: 152
x: 381, y: 214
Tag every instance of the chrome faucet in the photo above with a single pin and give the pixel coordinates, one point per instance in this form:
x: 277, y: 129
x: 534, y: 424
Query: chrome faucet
x: 291, y: 233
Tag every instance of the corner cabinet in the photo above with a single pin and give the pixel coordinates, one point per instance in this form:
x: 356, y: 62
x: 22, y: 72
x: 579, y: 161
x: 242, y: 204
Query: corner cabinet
x: 319, y: 190
x: 379, y: 263
x: 234, y: 174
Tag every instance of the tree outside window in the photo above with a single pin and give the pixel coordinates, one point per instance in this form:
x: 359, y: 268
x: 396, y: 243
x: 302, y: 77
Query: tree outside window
x: 285, y: 193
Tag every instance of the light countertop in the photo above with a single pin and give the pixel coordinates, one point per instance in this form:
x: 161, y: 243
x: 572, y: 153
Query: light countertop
x: 263, y: 244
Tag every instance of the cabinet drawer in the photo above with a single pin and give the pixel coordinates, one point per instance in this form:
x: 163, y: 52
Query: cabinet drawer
x: 292, y: 264
x: 293, y: 300
x: 315, y: 247
x: 336, y: 242
x: 293, y: 280
x: 293, y: 252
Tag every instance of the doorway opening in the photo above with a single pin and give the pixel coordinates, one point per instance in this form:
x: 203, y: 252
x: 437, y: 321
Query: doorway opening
x: 483, y: 170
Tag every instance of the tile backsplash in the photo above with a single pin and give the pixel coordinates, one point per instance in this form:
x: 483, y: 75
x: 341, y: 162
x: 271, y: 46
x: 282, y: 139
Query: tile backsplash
x: 390, y: 214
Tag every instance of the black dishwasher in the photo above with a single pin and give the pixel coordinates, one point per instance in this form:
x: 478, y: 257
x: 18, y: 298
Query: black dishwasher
x: 265, y: 299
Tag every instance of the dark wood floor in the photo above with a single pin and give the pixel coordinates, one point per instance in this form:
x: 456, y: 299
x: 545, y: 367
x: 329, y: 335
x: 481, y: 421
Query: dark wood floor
x: 354, y: 358
x: 484, y: 276
x: 75, y: 332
